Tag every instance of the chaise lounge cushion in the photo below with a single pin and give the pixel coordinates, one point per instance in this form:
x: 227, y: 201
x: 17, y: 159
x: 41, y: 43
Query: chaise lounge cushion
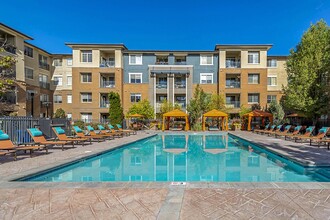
x: 4, y: 137
x: 101, y: 127
x: 323, y: 130
x: 35, y: 132
x: 59, y: 130
x: 77, y: 129
x: 90, y: 128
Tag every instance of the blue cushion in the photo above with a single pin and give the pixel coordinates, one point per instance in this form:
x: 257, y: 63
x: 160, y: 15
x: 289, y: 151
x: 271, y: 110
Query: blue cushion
x: 310, y: 129
x: 77, y: 129
x: 59, y: 130
x: 35, y: 132
x: 90, y: 128
x: 297, y: 128
x: 118, y: 125
x: 287, y: 127
x: 323, y: 130
x: 111, y: 127
x: 273, y: 126
x: 279, y: 126
x: 4, y: 136
x: 101, y: 127
x: 267, y: 126
x: 1, y: 132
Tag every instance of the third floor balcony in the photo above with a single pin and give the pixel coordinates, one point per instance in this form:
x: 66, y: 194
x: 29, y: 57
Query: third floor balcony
x: 233, y: 63
x: 44, y: 85
x: 44, y: 65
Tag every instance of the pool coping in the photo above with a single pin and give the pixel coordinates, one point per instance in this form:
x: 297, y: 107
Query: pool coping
x: 9, y: 183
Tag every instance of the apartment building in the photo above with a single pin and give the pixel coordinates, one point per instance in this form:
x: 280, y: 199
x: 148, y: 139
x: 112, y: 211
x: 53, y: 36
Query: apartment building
x: 80, y: 82
x: 31, y: 94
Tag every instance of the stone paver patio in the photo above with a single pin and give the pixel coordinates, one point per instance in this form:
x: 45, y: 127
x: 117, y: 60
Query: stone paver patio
x: 161, y: 200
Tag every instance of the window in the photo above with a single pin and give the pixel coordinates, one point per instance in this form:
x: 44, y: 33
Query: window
x: 135, y: 59
x: 86, y: 97
x: 253, y: 98
x: 69, y: 62
x: 86, y: 77
x: 206, y: 60
x: 69, y: 99
x: 272, y: 63
x: 57, y: 81
x: 57, y: 99
x: 28, y: 51
x: 28, y: 73
x: 69, y: 115
x: 253, y: 57
x: 43, y: 62
x: 253, y: 78
x: 135, y: 78
x: 69, y: 80
x: 86, y: 117
x: 86, y: 56
x: 43, y: 78
x: 135, y: 97
x: 44, y: 98
x: 271, y: 98
x: 206, y: 78
x: 272, y: 80
x: 57, y: 62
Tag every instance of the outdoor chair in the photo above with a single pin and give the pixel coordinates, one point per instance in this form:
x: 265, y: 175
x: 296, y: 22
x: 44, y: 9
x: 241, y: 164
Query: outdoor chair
x: 296, y: 131
x: 105, y: 131
x: 317, y: 138
x: 60, y: 133
x: 272, y: 129
x: 40, y: 139
x: 262, y: 130
x: 7, y: 145
x: 120, y: 128
x: 80, y: 133
x: 280, y: 133
x: 92, y: 132
x: 113, y: 130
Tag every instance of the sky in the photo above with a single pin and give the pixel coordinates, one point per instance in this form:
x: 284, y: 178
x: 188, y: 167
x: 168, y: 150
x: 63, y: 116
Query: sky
x: 164, y: 25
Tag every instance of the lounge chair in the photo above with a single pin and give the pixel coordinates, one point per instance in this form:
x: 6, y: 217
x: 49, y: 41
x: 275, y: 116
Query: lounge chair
x: 105, y: 131
x: 7, y: 145
x: 120, y: 128
x: 93, y: 133
x: 81, y: 134
x: 262, y: 130
x: 308, y: 133
x: 296, y: 131
x: 113, y: 130
x: 317, y: 138
x: 39, y: 138
x: 60, y: 133
x: 280, y: 133
x: 272, y: 129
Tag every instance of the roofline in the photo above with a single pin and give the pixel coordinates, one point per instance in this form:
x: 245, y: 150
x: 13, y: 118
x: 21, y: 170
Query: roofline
x: 171, y: 51
x: 12, y: 29
x: 235, y: 46
x: 37, y: 47
x: 62, y: 54
x: 96, y: 44
x: 279, y: 56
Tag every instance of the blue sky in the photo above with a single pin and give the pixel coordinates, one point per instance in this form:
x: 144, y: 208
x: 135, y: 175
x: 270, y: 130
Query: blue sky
x: 164, y: 25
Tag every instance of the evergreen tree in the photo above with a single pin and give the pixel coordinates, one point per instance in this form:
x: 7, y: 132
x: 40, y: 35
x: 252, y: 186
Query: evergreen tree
x: 198, y: 105
x: 308, y: 73
x: 59, y: 113
x: 116, y: 114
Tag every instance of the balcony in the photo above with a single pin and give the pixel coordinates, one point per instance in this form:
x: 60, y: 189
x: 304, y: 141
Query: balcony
x: 107, y: 84
x: 180, y: 63
x: 10, y: 49
x: 104, y: 104
x: 233, y: 64
x: 107, y: 64
x: 233, y: 104
x: 161, y: 85
x: 44, y: 85
x: 161, y: 63
x: 233, y: 84
x: 44, y: 66
x: 181, y: 85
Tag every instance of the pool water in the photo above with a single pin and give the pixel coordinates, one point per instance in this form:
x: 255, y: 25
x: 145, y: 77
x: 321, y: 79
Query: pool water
x: 186, y: 157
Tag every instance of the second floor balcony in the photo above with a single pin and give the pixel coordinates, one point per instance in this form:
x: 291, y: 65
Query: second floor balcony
x: 104, y: 104
x: 233, y: 84
x: 107, y: 84
x: 233, y: 104
x: 44, y: 85
x: 107, y: 63
x: 161, y: 85
x: 44, y: 66
x: 233, y: 63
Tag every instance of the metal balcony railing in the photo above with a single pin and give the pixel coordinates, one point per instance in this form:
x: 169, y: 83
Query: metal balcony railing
x: 161, y: 63
x: 161, y: 86
x: 233, y: 104
x: 180, y: 85
x: 44, y: 85
x: 181, y: 63
x: 233, y: 84
x: 108, y: 84
x: 44, y: 66
x: 233, y: 64
x: 104, y: 104
x: 110, y: 63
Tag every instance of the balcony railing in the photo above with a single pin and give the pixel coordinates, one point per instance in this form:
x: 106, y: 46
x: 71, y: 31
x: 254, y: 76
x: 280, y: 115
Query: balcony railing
x: 107, y: 63
x: 44, y: 85
x: 233, y: 104
x: 181, y: 63
x: 104, y: 104
x: 161, y: 86
x: 161, y: 63
x: 233, y: 84
x: 107, y: 84
x: 182, y: 104
x: 10, y: 49
x: 44, y: 66
x: 180, y: 85
x: 233, y: 64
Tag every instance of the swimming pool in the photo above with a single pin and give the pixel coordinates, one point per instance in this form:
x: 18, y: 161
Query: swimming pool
x: 185, y: 157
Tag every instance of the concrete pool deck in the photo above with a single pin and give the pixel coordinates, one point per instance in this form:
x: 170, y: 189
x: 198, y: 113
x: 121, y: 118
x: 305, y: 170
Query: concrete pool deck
x: 160, y: 200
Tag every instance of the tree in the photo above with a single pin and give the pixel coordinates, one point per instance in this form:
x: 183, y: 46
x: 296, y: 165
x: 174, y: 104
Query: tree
x: 308, y: 72
x: 278, y: 114
x: 217, y: 101
x: 167, y: 106
x: 59, y: 113
x: 116, y: 114
x: 243, y: 111
x: 198, y: 105
x: 143, y: 108
x: 6, y: 67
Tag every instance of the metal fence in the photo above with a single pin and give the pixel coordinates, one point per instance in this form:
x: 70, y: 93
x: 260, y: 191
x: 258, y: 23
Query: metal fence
x: 16, y: 127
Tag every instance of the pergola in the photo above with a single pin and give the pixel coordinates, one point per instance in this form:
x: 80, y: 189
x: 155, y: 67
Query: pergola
x: 217, y: 114
x: 175, y: 114
x: 257, y: 114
